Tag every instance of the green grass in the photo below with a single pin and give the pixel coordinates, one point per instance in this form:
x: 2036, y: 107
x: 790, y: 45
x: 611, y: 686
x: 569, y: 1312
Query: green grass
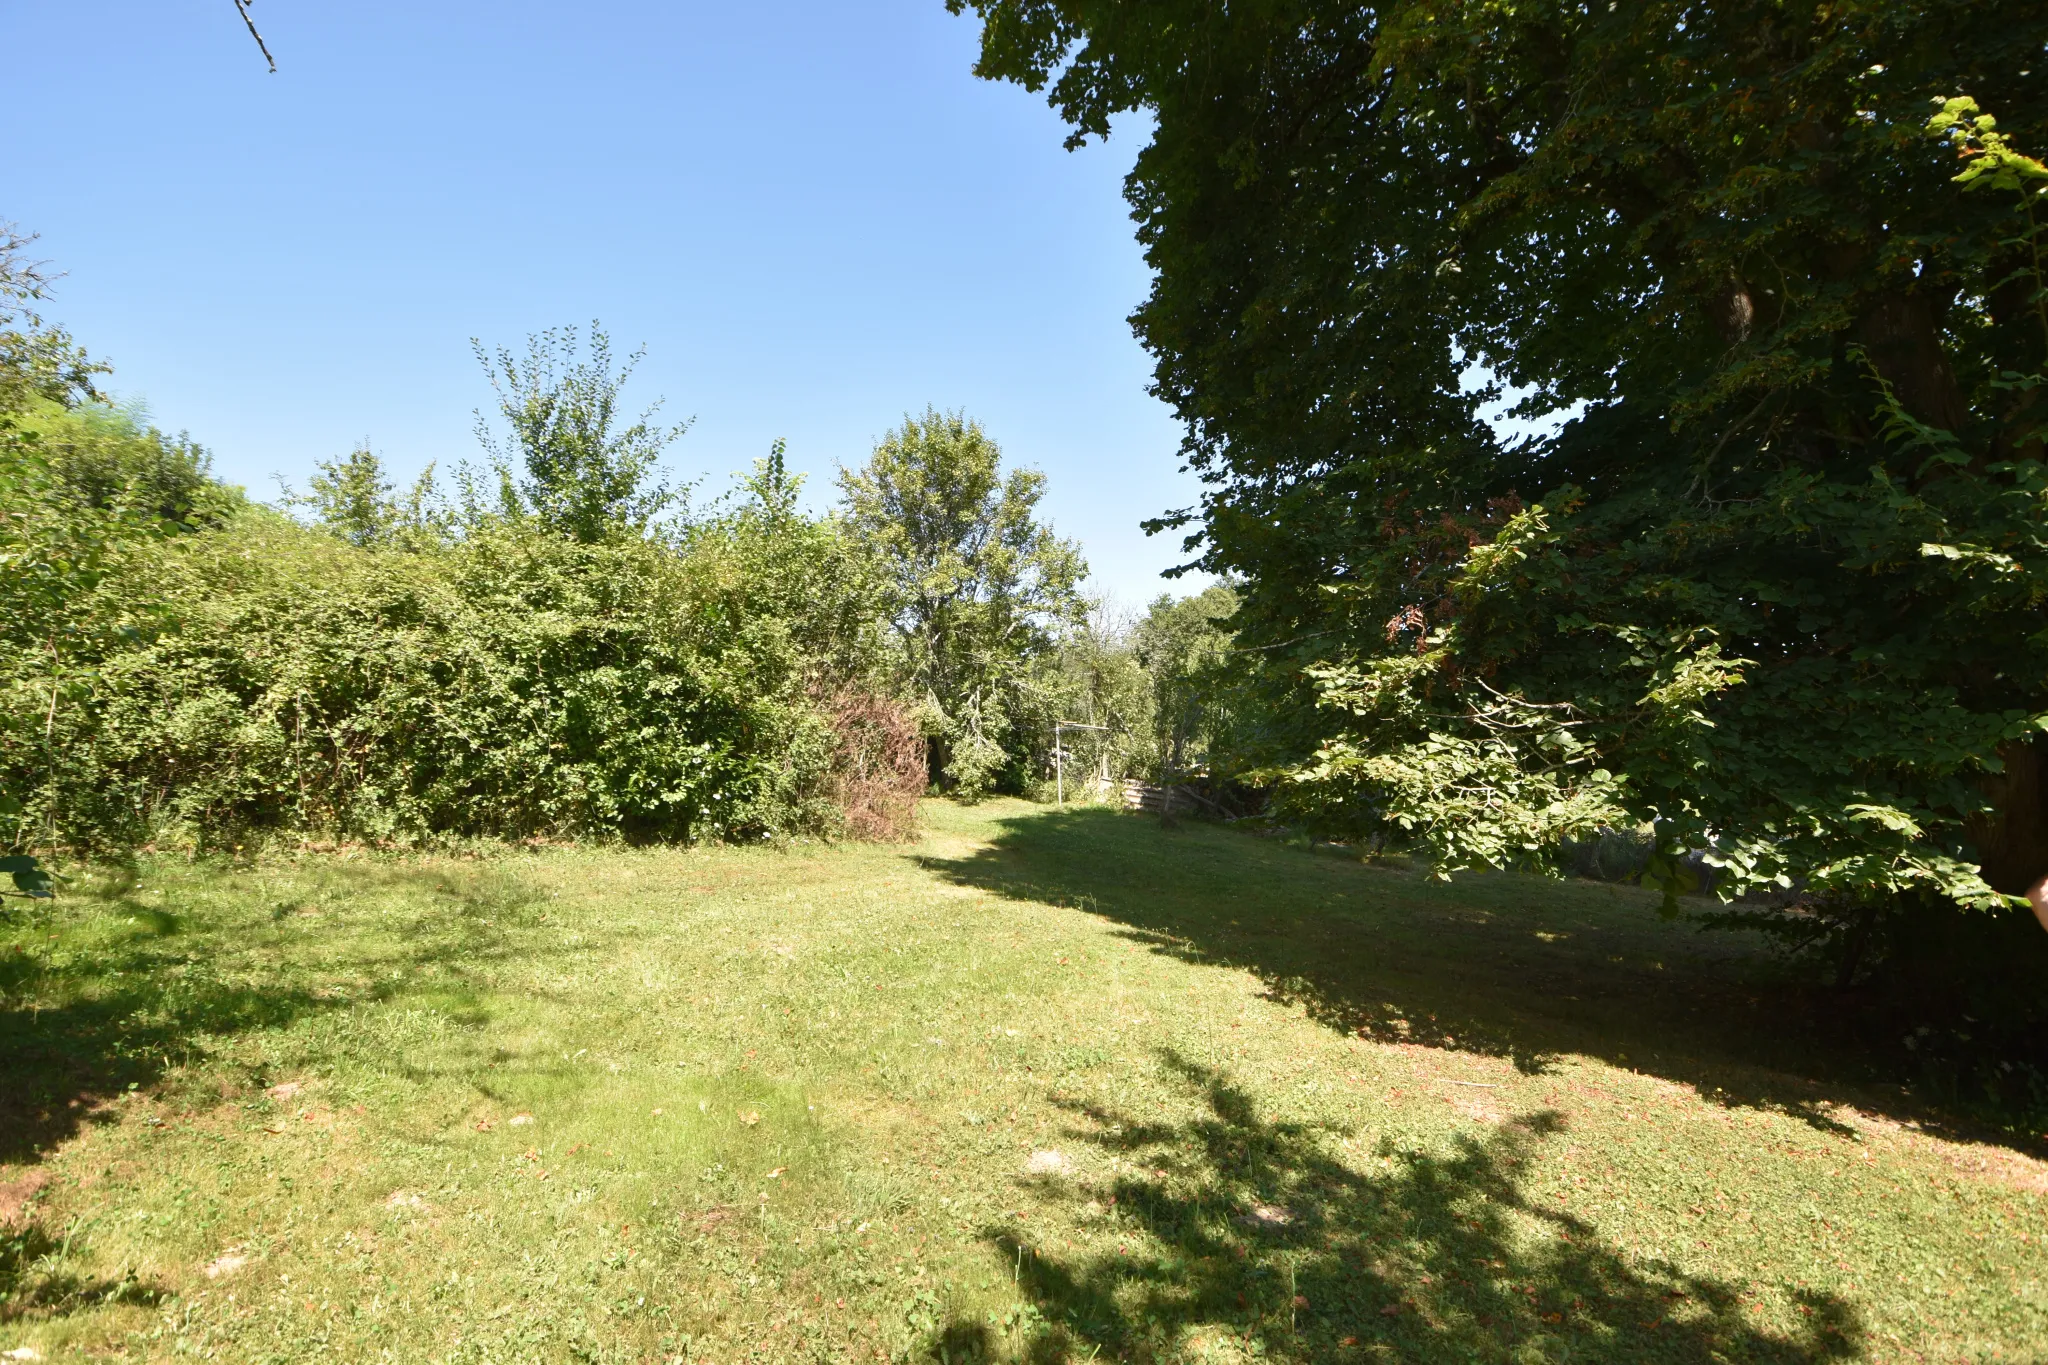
x: 1050, y: 1085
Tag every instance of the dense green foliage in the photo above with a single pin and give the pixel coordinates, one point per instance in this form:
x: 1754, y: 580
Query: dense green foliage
x: 982, y: 591
x: 564, y: 648
x: 1188, y: 655
x: 351, y: 498
x: 511, y: 682
x: 185, y: 667
x: 565, y: 460
x: 1772, y: 575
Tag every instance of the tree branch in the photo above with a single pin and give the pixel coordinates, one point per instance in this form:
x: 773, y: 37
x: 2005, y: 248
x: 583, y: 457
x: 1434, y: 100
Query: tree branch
x: 242, y: 8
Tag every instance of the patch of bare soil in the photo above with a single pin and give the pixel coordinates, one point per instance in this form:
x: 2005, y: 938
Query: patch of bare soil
x: 17, y: 1195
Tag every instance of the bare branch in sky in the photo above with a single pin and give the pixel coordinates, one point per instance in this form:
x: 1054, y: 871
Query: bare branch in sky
x: 243, y: 7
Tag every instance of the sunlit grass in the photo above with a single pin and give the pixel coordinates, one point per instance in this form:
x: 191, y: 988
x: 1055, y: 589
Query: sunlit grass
x: 1049, y: 1085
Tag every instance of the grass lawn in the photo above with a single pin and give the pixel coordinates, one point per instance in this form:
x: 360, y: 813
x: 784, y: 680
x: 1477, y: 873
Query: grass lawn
x: 1049, y: 1085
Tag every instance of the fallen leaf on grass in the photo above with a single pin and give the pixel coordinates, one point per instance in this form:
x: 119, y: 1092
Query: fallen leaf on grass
x: 285, y: 1090
x: 485, y: 1125
x: 520, y: 1120
x: 776, y: 1174
x: 750, y: 1117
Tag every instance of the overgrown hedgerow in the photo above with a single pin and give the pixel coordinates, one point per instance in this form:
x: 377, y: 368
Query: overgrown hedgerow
x: 515, y: 683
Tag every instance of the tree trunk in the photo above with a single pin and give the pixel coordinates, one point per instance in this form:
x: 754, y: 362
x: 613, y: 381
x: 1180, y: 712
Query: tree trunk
x: 1901, y: 334
x: 1853, y: 950
x: 2012, y: 843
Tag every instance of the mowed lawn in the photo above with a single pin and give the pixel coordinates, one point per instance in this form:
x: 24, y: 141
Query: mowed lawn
x: 1048, y: 1085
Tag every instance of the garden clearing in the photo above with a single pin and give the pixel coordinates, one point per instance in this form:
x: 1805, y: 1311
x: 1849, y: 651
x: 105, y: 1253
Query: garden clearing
x: 1046, y: 1085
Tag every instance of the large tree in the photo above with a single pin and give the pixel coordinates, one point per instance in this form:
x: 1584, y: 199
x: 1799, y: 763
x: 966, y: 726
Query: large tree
x: 1773, y: 578
x: 982, y: 587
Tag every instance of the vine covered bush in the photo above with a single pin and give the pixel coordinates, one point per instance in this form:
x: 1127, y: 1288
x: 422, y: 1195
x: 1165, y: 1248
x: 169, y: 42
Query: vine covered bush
x: 514, y: 684
x: 190, y: 669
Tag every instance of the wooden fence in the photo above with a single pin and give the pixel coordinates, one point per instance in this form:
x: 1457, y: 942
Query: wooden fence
x: 1174, y: 800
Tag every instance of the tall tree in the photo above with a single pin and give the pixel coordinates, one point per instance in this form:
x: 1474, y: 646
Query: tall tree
x: 1185, y: 648
x: 980, y: 583
x: 567, y: 458
x: 1776, y: 581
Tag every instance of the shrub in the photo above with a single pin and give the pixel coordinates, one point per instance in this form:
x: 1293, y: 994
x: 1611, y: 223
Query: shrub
x: 514, y: 683
x: 878, y: 765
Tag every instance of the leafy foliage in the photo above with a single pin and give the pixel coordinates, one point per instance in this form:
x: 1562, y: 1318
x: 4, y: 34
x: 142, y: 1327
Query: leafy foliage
x: 980, y: 586
x: 513, y: 683
x: 351, y: 498
x: 1184, y: 646
x: 566, y: 461
x: 1755, y: 553
x: 37, y: 361
x: 1093, y: 679
x: 182, y: 667
x: 186, y: 668
x: 81, y: 486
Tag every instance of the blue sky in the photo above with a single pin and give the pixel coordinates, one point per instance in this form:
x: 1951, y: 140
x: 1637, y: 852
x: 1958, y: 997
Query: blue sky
x: 811, y: 214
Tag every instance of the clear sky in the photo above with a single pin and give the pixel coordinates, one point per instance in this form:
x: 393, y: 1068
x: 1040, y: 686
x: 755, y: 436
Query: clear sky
x: 811, y: 214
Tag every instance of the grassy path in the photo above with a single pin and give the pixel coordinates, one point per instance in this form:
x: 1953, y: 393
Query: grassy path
x: 1047, y: 1086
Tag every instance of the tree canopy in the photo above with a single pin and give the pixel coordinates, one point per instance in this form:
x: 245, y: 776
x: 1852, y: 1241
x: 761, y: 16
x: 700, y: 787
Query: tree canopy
x: 1185, y: 649
x: 981, y: 586
x: 567, y: 458
x: 1772, y: 574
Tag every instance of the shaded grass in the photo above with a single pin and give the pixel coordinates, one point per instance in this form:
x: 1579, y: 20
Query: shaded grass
x: 1047, y: 1086
x: 1499, y: 966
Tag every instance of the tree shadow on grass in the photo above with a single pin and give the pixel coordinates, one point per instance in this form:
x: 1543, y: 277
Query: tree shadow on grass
x: 1253, y: 1242
x: 36, y: 1279
x: 130, y: 991
x: 1512, y: 967
x: 102, y: 995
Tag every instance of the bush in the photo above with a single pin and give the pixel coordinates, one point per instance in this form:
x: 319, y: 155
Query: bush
x: 513, y: 683
x: 179, y: 666
x: 878, y: 765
